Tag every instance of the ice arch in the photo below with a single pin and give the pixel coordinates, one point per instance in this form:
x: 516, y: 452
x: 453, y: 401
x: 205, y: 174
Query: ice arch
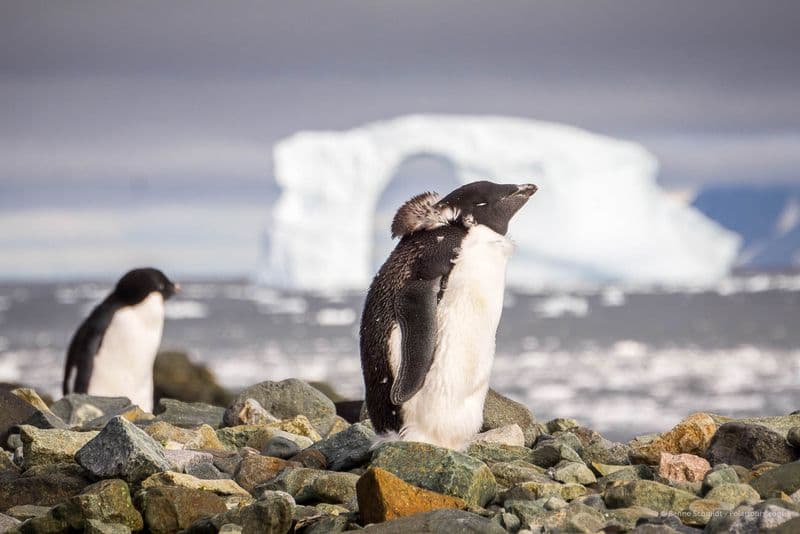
x: 599, y: 214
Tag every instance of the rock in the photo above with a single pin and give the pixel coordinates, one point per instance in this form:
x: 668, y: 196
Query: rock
x: 203, y: 437
x: 785, y: 478
x: 348, y: 448
x: 180, y: 460
x: 790, y: 526
x: 132, y: 413
x: 720, y: 474
x: 47, y: 486
x: 682, y: 467
x: 310, y: 458
x: 596, y: 448
x: 626, y: 518
x: 41, y: 447
x: 528, y: 512
x: 295, y: 482
x: 574, y: 518
x: 285, y: 400
x: 734, y: 494
x: 500, y: 411
x: 438, y: 522
x: 747, y: 445
x: 189, y: 414
x: 27, y: 511
x: 299, y: 426
x: 94, y: 526
x: 252, y: 413
x: 780, y: 424
x: 280, y: 447
x: 335, y: 488
x: 175, y: 376
x: 508, y: 474
x: 760, y: 518
x: 45, y: 420
x: 108, y: 501
x: 490, y: 453
x: 206, y: 472
x: 549, y: 452
x: 169, y: 509
x: 691, y: 436
x: 438, y: 469
x: 272, y: 514
x: 122, y: 450
x: 561, y: 424
x: 699, y: 512
x: 182, y: 480
x: 504, y: 435
x: 8, y: 523
x: 793, y: 436
x: 31, y: 397
x: 256, y: 469
x: 13, y: 411
x: 339, y: 424
x: 383, y: 497
x: 573, y: 472
x: 649, y: 494
x: 77, y: 409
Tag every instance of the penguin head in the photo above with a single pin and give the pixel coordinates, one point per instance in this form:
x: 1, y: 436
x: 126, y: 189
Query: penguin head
x: 138, y: 284
x: 487, y: 203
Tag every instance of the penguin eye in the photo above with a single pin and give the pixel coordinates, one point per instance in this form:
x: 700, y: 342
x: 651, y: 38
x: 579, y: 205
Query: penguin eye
x: 479, y: 204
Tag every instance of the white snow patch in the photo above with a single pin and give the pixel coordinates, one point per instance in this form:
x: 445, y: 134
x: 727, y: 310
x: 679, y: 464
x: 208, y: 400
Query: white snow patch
x: 599, y: 214
x: 612, y: 296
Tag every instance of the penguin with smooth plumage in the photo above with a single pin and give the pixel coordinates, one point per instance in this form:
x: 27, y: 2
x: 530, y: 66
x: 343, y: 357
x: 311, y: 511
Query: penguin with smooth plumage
x: 430, y: 318
x: 113, y: 351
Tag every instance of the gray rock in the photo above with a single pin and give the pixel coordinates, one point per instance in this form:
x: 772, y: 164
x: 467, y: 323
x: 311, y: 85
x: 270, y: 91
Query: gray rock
x: 189, y: 414
x: 43, y: 485
x: 574, y: 472
x: 335, y: 488
x: 720, y: 474
x: 528, y: 512
x: 285, y: 400
x: 761, y: 518
x: 747, y: 445
x: 7, y: 523
x: 438, y: 522
x: 270, y: 514
x: 45, y: 419
x: 785, y: 478
x: 77, y: 409
x: 296, y: 482
x: 548, y: 453
x: 793, y: 436
x: 326, y: 524
x: 500, y: 411
x: 280, y: 447
x: 508, y: 474
x: 734, y: 494
x: 490, y: 453
x: 181, y: 460
x: 27, y: 511
x: 122, y: 450
x: 561, y: 424
x: 596, y: 448
x: 348, y: 448
x: 108, y: 501
x: 206, y: 472
x: 438, y: 469
x: 648, y: 494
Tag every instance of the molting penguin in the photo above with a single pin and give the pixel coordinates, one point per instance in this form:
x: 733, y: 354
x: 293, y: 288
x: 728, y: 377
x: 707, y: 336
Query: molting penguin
x: 431, y: 314
x: 113, y: 351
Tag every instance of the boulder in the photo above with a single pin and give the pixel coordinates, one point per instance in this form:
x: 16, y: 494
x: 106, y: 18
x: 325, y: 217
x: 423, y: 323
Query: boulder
x: 490, y: 453
x: 785, y: 479
x: 203, y: 437
x: 122, y: 450
x: 189, y: 414
x: 13, y: 411
x: 648, y: 494
x: 508, y: 474
x: 175, y: 376
x: 438, y: 522
x: 280, y: 447
x: 682, y: 467
x: 42, y: 447
x: 271, y: 514
x: 691, y: 436
x: 169, y: 509
x: 108, y: 501
x: 255, y: 469
x: 383, y: 497
x: 348, y: 448
x: 744, y: 444
x: 720, y: 474
x: 47, y: 486
x: 438, y: 469
x: 734, y: 494
x: 222, y: 487
x: 181, y: 460
x: 504, y: 435
x: 286, y: 399
x: 500, y: 411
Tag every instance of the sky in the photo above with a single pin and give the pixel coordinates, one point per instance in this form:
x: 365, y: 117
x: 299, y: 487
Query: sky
x: 142, y: 131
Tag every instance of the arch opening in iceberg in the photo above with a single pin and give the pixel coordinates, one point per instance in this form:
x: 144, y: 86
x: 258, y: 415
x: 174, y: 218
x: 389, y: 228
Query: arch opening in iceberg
x: 599, y: 210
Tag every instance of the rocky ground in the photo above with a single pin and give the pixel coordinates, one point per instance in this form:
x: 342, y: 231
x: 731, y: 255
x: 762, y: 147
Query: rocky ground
x: 279, y: 459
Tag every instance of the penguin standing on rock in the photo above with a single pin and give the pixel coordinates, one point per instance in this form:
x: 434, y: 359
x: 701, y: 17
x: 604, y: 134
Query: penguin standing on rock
x: 431, y: 314
x: 113, y: 351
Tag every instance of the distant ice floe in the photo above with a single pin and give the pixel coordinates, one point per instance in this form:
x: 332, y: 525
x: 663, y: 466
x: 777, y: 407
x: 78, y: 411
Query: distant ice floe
x: 185, y: 309
x: 336, y: 317
x: 599, y: 216
x: 560, y: 305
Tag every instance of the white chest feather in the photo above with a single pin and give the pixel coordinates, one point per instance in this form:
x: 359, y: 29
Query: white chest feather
x: 448, y: 410
x: 123, y: 365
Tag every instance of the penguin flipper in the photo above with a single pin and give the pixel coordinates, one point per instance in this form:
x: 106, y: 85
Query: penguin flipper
x: 416, y: 313
x: 84, y: 347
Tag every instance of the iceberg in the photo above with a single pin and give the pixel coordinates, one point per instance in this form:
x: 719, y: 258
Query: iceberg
x: 599, y: 215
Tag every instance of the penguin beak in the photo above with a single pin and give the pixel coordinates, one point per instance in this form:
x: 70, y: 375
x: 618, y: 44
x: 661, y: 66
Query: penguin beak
x: 526, y: 190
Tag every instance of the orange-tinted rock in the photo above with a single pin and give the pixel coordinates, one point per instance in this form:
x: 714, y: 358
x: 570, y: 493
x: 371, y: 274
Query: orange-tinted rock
x: 255, y: 469
x: 382, y: 497
x: 691, y: 436
x: 683, y: 467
